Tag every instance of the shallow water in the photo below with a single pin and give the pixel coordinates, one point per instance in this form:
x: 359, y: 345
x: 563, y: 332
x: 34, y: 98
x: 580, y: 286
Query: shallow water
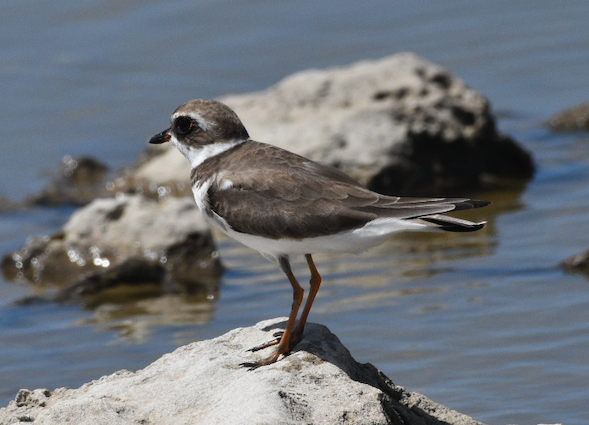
x: 484, y: 323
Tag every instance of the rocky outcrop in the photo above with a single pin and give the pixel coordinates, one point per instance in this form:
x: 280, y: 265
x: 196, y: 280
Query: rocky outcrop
x: 124, y: 240
x: 572, y: 119
x: 203, y: 383
x: 400, y: 125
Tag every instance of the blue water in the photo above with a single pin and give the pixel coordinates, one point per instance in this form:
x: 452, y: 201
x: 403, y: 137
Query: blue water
x: 486, y: 324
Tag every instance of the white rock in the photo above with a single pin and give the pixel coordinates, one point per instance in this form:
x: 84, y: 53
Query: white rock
x: 362, y: 111
x: 203, y: 383
x: 133, y: 223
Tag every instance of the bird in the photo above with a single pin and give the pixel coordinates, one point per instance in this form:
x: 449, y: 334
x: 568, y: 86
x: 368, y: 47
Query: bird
x: 284, y: 205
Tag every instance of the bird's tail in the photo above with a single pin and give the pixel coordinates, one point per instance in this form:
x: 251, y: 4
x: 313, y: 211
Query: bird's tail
x: 450, y: 224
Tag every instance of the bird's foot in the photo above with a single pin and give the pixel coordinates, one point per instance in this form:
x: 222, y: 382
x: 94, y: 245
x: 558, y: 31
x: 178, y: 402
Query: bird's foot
x: 277, y: 335
x: 273, y: 358
x: 264, y: 362
x: 283, y: 348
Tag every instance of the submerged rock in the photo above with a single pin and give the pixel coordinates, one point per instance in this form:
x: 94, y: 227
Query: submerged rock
x: 577, y: 263
x: 203, y: 383
x: 572, y: 119
x: 400, y: 125
x: 78, y: 181
x: 127, y: 240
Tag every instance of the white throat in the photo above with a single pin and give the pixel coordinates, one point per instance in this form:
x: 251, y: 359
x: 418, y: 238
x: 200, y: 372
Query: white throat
x: 198, y: 155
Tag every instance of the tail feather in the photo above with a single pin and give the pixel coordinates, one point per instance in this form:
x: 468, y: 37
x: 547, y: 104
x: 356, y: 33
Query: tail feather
x: 450, y: 224
x: 468, y: 204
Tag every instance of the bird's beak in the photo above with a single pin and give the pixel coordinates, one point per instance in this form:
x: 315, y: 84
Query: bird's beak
x: 160, y: 138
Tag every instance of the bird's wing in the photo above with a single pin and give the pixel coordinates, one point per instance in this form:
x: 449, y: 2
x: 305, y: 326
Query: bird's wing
x: 262, y: 195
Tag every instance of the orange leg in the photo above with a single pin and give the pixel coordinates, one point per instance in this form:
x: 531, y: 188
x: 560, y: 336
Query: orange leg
x: 315, y: 284
x: 284, y: 346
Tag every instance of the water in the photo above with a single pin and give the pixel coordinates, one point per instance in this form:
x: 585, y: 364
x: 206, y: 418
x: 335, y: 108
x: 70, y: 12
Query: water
x: 484, y: 323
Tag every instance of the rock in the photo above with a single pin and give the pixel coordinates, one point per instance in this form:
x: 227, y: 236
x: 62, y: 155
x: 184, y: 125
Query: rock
x: 400, y: 125
x: 577, y: 263
x: 165, y: 174
x: 132, y: 271
x: 127, y: 240
x: 203, y: 383
x: 572, y: 119
x: 79, y: 181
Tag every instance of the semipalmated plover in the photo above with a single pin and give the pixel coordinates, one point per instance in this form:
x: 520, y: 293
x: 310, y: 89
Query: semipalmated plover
x: 282, y: 204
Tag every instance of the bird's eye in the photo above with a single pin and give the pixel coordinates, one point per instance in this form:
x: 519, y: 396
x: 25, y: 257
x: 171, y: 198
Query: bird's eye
x: 183, y: 125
